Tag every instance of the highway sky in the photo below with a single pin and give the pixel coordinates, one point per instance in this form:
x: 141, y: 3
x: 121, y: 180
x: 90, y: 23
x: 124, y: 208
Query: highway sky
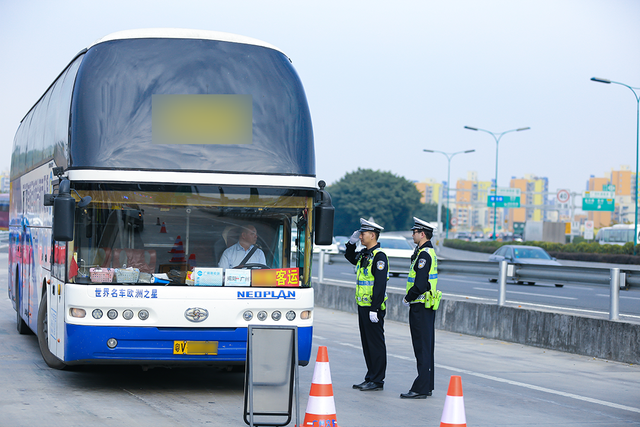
x: 385, y: 80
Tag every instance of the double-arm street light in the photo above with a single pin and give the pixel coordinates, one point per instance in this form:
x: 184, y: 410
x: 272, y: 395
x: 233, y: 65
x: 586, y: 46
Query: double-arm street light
x: 449, y: 156
x: 633, y: 89
x: 497, y: 137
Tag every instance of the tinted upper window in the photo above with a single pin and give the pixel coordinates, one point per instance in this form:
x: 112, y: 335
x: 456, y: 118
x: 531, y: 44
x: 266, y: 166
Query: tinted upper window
x: 112, y: 106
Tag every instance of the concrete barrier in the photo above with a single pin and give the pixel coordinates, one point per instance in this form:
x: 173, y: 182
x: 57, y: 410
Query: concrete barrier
x: 601, y: 338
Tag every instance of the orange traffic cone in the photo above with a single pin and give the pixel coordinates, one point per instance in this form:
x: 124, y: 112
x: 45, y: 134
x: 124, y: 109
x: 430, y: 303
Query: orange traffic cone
x: 163, y: 229
x: 177, y: 251
x: 321, y: 408
x: 192, y: 261
x: 453, y: 412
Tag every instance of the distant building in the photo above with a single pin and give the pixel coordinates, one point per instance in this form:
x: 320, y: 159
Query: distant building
x: 625, y: 183
x: 4, y: 182
x: 533, y: 199
x: 430, y: 190
x: 471, y: 211
x: 624, y: 211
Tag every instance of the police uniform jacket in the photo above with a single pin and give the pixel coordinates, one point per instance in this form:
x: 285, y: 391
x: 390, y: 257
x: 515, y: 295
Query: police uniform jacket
x: 379, y: 276
x: 421, y: 283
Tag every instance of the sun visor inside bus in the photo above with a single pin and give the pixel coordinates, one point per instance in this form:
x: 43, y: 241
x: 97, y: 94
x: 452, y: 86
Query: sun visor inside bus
x: 180, y: 104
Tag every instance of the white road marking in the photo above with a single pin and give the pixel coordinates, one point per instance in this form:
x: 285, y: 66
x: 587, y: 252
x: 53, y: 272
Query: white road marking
x: 514, y: 383
x: 621, y: 296
x: 542, y: 389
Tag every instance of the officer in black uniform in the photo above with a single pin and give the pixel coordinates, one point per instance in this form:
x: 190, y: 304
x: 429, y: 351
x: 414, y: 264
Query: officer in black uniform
x: 423, y: 277
x: 371, y: 293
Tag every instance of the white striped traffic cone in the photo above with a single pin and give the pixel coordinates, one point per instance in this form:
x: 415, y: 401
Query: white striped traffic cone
x: 453, y: 412
x: 321, y: 408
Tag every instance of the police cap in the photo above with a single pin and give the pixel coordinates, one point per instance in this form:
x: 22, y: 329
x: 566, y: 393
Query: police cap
x: 369, y: 226
x: 421, y: 225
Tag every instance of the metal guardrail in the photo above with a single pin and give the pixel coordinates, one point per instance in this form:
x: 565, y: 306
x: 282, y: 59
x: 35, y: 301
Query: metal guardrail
x: 484, y: 268
x: 614, y: 278
x: 556, y: 274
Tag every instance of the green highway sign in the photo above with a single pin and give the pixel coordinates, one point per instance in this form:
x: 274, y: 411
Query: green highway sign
x: 507, y: 198
x: 599, y: 200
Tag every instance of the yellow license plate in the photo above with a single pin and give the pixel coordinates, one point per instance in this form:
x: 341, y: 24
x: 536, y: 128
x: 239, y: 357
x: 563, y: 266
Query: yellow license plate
x: 209, y: 348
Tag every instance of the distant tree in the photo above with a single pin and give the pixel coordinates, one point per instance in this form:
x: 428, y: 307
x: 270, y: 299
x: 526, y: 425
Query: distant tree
x: 387, y: 198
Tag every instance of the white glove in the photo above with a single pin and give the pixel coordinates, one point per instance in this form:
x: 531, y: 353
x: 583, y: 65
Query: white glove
x: 355, y: 237
x: 405, y: 303
x: 373, y: 316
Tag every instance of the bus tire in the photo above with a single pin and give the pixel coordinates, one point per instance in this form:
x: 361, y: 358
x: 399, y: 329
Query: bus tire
x: 43, y: 337
x: 21, y: 325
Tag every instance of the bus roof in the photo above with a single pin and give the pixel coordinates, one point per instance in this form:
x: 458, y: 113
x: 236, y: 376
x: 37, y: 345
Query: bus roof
x: 181, y: 33
x: 98, y: 113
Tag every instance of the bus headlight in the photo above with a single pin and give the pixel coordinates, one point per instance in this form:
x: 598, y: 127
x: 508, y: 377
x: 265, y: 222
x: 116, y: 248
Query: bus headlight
x: 127, y: 314
x: 112, y: 314
x: 97, y: 314
x: 143, y: 315
x: 291, y: 315
x: 262, y: 315
x: 247, y: 315
x: 77, y: 312
x: 112, y: 343
x: 305, y: 315
x: 276, y: 315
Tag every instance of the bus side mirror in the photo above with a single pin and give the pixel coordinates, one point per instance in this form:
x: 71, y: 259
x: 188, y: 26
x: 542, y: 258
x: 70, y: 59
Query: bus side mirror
x: 324, y: 212
x: 64, y: 211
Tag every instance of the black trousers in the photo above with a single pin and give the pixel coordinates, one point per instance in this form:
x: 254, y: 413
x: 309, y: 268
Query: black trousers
x: 422, y: 326
x: 373, y: 345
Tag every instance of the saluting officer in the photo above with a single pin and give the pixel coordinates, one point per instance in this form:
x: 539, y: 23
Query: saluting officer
x: 423, y: 277
x: 371, y: 293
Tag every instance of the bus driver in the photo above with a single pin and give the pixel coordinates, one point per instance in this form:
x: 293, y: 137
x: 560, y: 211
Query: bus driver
x: 244, y: 252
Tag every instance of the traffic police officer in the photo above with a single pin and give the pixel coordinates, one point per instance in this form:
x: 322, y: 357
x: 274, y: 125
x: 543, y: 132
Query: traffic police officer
x: 421, y: 294
x: 372, y: 275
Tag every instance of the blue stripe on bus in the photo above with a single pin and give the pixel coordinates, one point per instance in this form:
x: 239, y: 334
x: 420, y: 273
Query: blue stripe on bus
x: 89, y: 343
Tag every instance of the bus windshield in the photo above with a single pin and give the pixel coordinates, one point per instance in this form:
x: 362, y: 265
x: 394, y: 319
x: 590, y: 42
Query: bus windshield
x: 173, y: 229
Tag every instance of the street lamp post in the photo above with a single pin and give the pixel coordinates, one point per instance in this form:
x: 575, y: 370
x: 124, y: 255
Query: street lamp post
x: 633, y: 89
x: 497, y: 137
x: 449, y: 156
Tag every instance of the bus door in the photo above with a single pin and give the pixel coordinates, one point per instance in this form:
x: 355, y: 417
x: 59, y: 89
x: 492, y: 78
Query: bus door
x: 55, y: 319
x: 55, y: 299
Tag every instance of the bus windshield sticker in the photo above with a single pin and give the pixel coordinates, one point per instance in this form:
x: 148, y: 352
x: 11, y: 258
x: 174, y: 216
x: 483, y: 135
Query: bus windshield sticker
x: 201, y: 119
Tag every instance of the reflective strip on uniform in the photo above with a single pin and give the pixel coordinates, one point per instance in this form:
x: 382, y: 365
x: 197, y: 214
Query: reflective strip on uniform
x: 365, y: 282
x: 433, y: 277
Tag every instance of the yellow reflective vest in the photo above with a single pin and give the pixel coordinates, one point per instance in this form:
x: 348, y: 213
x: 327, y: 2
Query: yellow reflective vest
x: 364, y: 282
x: 431, y: 298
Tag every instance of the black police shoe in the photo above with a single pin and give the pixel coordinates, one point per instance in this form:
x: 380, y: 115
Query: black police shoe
x: 414, y: 395
x: 359, y: 386
x: 371, y: 386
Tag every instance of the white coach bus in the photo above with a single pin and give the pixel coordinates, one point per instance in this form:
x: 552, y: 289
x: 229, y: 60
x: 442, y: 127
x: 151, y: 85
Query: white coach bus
x: 145, y: 159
